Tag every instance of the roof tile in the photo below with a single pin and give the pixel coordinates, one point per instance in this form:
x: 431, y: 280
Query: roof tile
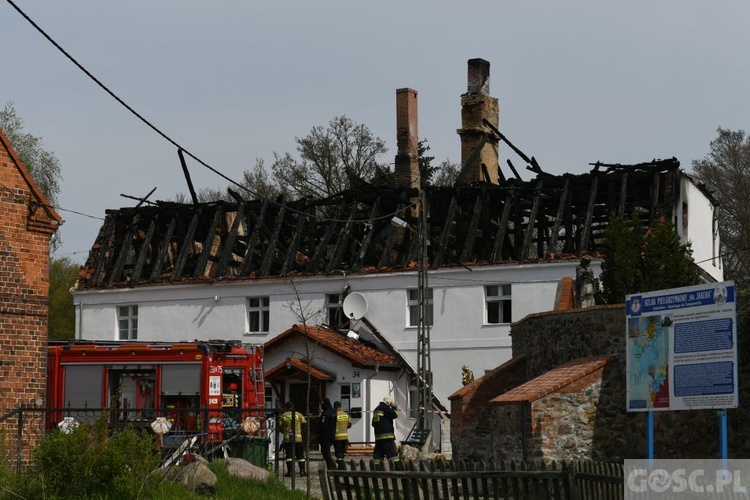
x: 554, y: 380
x: 349, y: 348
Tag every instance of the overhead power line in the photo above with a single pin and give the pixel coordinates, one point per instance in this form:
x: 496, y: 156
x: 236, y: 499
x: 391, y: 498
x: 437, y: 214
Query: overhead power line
x: 163, y: 134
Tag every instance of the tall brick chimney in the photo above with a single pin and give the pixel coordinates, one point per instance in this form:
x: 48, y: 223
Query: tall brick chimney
x: 406, y: 171
x: 476, y: 105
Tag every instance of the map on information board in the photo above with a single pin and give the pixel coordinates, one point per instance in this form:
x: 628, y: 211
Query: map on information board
x: 681, y: 348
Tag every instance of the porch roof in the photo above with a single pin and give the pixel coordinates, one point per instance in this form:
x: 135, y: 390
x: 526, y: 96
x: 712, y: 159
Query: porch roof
x: 293, y: 366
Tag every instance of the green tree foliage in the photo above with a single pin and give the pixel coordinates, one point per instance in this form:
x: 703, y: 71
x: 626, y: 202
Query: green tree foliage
x: 725, y: 170
x: 638, y: 261
x: 63, y: 273
x: 259, y: 182
x: 621, y: 270
x: 666, y: 262
x: 42, y: 164
x: 444, y: 174
x: 330, y: 157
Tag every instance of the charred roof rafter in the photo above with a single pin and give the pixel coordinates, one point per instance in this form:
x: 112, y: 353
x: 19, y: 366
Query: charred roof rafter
x: 549, y: 217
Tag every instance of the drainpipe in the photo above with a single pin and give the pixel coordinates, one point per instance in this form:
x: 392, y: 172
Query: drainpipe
x: 369, y: 400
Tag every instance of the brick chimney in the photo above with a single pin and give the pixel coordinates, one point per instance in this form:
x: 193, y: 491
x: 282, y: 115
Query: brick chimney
x: 406, y: 171
x: 478, y: 105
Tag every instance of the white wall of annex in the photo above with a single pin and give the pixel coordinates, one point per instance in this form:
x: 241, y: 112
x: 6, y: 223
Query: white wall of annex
x: 702, y: 231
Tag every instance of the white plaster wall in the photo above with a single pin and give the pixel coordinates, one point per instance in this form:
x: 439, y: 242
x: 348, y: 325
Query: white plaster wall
x: 700, y: 229
x: 459, y: 334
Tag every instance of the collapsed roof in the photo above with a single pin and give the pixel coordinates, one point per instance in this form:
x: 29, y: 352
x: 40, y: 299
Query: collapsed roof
x: 546, y: 218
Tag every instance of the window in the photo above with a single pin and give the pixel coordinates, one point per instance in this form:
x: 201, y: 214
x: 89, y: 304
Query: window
x: 498, y: 304
x: 336, y: 317
x: 258, y: 315
x: 346, y: 397
x: 127, y: 320
x: 414, y: 307
x: 269, y: 397
x: 413, y: 402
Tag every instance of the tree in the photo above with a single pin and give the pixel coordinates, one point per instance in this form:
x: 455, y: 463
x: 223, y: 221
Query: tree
x: 444, y: 174
x: 666, y: 262
x: 621, y: 275
x: 259, y: 183
x: 329, y: 159
x: 63, y: 273
x: 637, y: 261
x: 43, y: 165
x: 725, y: 171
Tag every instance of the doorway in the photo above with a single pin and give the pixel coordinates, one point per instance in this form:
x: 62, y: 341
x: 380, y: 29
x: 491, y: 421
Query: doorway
x: 298, y: 395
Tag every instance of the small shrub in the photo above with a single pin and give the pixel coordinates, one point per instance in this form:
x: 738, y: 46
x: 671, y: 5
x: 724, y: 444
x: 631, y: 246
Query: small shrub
x: 88, y: 462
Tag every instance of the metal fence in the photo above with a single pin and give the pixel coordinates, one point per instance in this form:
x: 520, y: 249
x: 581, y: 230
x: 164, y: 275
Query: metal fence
x: 177, y: 431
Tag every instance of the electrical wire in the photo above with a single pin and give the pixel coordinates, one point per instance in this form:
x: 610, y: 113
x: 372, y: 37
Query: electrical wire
x: 163, y: 134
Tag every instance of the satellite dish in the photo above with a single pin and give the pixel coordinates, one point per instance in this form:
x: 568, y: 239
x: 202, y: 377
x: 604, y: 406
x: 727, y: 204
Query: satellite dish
x: 355, y: 306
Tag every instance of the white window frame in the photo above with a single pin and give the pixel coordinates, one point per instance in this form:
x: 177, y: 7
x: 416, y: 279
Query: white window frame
x: 127, y: 322
x: 334, y: 309
x: 412, y: 302
x: 496, y: 296
x: 258, y: 310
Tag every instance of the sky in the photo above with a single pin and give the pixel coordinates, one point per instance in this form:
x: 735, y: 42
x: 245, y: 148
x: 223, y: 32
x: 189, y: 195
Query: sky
x: 233, y: 81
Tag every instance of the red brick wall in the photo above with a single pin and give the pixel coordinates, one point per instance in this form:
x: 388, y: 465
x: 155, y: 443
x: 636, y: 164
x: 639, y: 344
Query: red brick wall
x: 25, y: 230
x: 406, y: 171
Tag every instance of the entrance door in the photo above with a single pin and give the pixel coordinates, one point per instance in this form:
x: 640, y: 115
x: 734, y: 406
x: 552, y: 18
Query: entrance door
x: 297, y: 394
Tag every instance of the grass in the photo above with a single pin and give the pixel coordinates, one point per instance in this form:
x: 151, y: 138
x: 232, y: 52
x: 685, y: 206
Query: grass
x: 232, y: 488
x: 227, y: 488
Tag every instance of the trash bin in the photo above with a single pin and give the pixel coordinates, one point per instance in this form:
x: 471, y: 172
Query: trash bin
x: 252, y: 449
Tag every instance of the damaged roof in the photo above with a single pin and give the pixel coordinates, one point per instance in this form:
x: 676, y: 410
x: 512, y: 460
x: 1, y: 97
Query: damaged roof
x: 546, y: 218
x: 358, y: 353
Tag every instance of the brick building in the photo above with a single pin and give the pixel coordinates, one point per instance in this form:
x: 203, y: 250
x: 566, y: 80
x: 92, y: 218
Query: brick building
x: 27, y: 222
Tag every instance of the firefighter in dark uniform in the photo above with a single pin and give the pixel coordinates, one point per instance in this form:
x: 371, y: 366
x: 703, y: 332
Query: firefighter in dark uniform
x: 385, y: 439
x: 343, y: 422
x: 292, y: 430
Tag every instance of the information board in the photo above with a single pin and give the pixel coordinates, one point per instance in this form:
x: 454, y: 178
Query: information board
x: 681, y: 347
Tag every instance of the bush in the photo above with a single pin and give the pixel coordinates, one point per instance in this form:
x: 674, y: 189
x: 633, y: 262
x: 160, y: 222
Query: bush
x: 88, y: 462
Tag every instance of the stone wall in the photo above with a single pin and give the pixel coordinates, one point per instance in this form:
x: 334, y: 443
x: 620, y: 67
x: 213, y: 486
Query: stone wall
x: 585, y: 419
x: 473, y: 426
x: 554, y: 338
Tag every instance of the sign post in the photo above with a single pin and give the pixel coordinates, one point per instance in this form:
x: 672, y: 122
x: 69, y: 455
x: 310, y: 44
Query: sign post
x: 681, y: 347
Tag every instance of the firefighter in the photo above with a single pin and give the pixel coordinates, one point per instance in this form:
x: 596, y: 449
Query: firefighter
x: 385, y: 439
x: 291, y: 427
x: 327, y: 430
x: 343, y: 422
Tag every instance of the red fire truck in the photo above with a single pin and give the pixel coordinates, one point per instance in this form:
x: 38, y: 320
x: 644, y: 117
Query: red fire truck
x: 198, y: 386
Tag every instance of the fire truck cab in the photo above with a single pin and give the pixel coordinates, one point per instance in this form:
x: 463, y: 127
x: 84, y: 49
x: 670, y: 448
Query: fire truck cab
x: 198, y: 386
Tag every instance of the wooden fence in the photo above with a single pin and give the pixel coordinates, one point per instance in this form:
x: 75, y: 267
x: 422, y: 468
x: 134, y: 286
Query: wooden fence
x: 473, y: 480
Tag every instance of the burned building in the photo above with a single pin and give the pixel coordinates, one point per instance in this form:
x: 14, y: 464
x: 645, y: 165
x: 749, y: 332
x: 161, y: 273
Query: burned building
x: 496, y: 246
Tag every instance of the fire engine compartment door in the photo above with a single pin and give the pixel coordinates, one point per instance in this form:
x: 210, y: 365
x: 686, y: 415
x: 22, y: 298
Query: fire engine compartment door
x: 84, y: 386
x: 183, y: 379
